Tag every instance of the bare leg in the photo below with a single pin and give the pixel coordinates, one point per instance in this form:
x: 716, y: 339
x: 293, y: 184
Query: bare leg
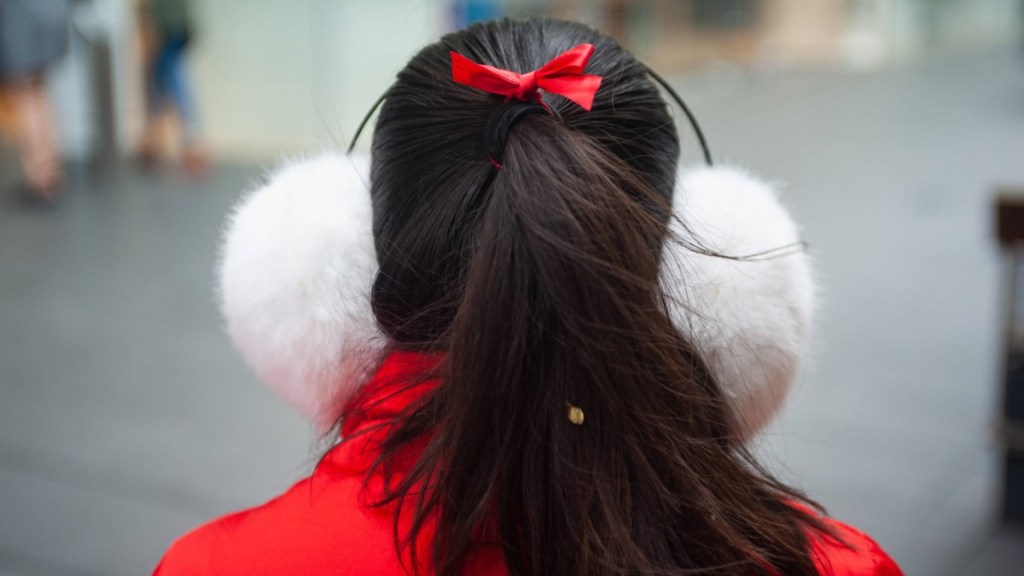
x: 8, y: 118
x: 151, y: 147
x: 35, y: 137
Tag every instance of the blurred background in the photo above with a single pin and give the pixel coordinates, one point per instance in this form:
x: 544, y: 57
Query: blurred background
x: 891, y: 126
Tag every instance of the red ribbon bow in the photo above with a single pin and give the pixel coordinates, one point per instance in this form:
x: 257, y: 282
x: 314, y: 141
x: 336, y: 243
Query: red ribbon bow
x: 562, y: 75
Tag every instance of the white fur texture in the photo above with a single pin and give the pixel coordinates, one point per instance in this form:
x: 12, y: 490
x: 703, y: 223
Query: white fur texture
x: 750, y: 317
x: 295, y: 274
x: 298, y: 263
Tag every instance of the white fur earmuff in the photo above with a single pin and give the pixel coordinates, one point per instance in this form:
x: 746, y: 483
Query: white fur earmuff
x: 296, y: 266
x: 298, y: 262
x: 747, y: 303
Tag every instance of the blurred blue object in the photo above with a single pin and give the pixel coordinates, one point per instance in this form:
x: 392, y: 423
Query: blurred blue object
x: 465, y: 12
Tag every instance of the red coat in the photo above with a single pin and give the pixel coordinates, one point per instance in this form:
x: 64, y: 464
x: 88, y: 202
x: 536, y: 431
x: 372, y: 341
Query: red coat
x: 322, y: 524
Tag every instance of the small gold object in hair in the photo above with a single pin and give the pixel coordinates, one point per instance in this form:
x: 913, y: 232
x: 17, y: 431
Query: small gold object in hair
x: 575, y: 414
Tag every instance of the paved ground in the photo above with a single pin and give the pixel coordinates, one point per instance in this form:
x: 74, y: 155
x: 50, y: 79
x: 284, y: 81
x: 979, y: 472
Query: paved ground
x: 126, y: 418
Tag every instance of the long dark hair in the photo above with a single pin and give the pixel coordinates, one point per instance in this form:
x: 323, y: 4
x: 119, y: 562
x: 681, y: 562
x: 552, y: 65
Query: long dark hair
x: 543, y: 295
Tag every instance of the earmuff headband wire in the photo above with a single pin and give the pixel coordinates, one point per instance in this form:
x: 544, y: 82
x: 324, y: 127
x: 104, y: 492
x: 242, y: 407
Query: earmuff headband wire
x: 657, y: 78
x: 686, y: 110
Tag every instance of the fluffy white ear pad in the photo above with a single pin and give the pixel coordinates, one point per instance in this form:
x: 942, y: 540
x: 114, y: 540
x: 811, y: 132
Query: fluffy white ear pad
x: 750, y: 318
x: 298, y: 262
x: 295, y: 272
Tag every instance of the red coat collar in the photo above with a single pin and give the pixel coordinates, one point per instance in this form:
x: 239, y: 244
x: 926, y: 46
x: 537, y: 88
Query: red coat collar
x: 401, y: 380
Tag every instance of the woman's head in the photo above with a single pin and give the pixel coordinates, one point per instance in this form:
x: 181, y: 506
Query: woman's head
x: 539, y: 285
x: 429, y: 156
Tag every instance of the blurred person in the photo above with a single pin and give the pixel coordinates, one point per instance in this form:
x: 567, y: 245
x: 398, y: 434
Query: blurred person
x: 169, y: 30
x: 33, y: 35
x: 532, y: 331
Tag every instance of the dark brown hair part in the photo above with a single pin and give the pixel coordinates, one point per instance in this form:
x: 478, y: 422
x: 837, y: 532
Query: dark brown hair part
x: 542, y: 296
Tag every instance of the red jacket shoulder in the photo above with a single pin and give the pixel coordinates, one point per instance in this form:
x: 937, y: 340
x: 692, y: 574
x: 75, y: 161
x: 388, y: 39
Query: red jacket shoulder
x: 856, y: 555
x: 310, y: 529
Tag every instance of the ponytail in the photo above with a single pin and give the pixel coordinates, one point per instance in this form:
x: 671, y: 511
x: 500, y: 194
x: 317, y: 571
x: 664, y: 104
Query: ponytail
x: 561, y: 309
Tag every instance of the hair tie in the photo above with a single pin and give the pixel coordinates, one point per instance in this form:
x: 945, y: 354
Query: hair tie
x: 501, y: 122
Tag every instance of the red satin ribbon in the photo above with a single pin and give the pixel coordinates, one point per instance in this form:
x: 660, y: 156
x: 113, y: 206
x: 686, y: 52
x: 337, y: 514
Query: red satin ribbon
x: 562, y: 75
